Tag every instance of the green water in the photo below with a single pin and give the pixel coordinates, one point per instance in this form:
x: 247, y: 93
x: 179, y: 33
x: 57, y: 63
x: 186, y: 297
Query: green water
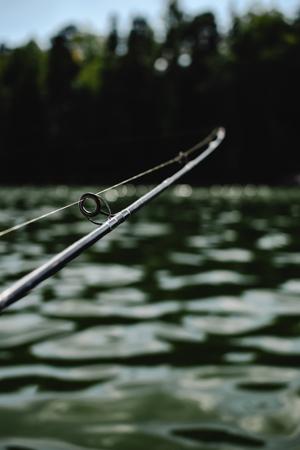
x: 180, y: 330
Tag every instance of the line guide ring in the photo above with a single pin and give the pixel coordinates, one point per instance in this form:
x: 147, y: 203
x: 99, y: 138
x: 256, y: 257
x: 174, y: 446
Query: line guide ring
x: 100, y: 207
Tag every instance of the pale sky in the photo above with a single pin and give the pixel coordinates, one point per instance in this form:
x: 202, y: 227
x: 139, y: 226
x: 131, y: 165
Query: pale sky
x: 21, y: 20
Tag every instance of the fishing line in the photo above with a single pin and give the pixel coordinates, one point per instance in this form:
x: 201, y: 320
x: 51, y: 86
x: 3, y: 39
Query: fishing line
x: 23, y: 286
x: 182, y: 157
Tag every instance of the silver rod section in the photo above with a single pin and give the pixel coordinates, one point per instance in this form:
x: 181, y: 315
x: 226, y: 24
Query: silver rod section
x: 22, y: 287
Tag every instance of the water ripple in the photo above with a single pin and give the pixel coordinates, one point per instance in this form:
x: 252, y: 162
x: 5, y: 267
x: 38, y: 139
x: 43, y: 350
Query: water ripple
x: 176, y: 331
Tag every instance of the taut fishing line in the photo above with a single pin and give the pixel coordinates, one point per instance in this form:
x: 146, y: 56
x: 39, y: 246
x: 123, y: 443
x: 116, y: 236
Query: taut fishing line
x: 101, y: 205
x: 20, y: 288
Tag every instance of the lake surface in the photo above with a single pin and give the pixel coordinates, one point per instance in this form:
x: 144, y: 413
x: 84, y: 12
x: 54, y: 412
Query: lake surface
x: 180, y: 330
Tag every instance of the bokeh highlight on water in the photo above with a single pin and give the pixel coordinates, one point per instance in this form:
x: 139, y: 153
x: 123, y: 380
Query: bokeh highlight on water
x: 179, y: 330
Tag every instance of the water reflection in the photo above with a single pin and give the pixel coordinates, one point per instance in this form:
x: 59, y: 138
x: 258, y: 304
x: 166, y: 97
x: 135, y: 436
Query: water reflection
x: 170, y: 333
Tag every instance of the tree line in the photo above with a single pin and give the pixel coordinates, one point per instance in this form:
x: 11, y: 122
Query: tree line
x: 94, y: 109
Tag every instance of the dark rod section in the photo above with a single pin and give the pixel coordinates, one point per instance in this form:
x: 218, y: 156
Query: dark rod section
x: 22, y: 287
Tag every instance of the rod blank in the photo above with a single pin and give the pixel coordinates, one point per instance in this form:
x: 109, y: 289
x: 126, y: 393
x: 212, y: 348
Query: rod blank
x: 22, y: 287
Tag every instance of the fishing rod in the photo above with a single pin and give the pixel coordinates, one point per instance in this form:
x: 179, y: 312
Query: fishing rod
x: 22, y: 287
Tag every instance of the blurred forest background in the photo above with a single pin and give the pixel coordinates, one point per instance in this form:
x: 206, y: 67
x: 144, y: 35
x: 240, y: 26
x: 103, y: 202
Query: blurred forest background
x: 95, y: 109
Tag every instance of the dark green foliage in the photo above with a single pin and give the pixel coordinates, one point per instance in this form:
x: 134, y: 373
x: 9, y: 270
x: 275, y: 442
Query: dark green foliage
x: 98, y: 109
x: 22, y: 110
x: 265, y: 69
x: 62, y: 68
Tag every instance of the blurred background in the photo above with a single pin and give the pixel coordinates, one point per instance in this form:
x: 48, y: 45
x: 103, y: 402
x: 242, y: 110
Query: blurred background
x: 179, y: 330
x: 84, y: 85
